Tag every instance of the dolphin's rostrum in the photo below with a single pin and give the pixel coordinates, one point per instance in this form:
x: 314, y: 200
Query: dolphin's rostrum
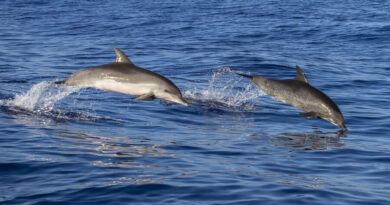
x: 123, y: 76
x: 298, y: 93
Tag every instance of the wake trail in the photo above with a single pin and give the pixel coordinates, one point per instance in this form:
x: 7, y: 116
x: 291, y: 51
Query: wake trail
x: 42, y: 99
x: 227, y: 91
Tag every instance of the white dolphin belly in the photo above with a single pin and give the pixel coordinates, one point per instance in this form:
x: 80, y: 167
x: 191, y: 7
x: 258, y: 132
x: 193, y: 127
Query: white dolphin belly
x: 125, y: 88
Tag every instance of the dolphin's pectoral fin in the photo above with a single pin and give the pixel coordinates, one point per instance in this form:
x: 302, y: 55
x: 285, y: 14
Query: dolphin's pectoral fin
x: 59, y: 82
x: 309, y: 115
x: 146, y: 97
x: 244, y: 75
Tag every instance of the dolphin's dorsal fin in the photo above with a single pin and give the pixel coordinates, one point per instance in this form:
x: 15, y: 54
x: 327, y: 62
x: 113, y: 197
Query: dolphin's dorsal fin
x: 121, y: 57
x: 300, y: 75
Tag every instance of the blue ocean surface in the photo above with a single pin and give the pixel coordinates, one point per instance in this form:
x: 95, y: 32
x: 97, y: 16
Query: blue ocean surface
x: 233, y: 144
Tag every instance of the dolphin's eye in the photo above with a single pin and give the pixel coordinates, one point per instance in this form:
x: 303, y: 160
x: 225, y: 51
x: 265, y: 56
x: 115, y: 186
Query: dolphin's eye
x: 167, y: 91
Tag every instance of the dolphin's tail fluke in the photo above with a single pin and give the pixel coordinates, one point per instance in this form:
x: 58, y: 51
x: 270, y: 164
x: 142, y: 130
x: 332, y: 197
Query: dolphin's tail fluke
x: 59, y: 82
x: 244, y: 75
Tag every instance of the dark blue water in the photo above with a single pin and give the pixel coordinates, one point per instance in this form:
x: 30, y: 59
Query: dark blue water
x: 233, y: 144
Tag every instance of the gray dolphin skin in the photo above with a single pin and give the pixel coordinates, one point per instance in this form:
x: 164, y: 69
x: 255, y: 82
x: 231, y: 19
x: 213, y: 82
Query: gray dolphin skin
x: 298, y: 93
x: 123, y: 76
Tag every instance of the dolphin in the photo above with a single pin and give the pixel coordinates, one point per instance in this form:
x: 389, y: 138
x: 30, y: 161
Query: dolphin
x: 300, y: 94
x: 123, y: 76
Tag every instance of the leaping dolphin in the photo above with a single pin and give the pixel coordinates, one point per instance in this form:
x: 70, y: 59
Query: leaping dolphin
x: 298, y: 93
x: 123, y: 76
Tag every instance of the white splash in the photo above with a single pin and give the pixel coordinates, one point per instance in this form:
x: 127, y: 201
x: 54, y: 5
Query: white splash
x: 41, y: 97
x: 226, y: 90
